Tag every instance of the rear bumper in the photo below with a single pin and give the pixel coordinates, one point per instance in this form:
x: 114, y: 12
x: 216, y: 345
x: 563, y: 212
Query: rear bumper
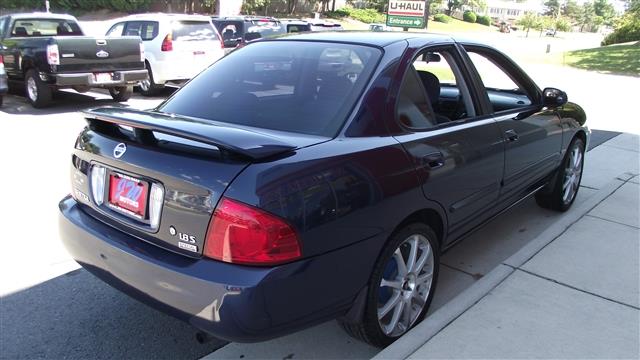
x: 128, y: 77
x: 232, y: 302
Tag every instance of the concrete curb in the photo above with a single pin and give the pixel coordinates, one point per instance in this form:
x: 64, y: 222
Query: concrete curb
x: 436, y: 322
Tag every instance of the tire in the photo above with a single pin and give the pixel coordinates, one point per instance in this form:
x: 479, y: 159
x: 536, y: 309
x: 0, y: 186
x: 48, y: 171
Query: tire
x: 37, y: 91
x: 381, y: 332
x: 561, y: 197
x: 121, y: 93
x: 149, y: 87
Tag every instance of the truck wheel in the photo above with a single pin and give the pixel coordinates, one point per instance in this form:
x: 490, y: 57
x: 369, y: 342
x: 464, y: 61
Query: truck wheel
x: 400, y: 288
x: 148, y: 87
x: 121, y: 93
x: 38, y: 92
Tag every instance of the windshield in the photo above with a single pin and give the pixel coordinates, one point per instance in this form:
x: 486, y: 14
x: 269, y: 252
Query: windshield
x: 45, y: 27
x: 306, y: 87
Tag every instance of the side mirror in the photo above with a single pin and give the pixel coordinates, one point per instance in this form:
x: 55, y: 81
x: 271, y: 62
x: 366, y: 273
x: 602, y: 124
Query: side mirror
x: 552, y: 97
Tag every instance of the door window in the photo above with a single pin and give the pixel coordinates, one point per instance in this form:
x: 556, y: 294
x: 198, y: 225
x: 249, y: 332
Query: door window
x: 146, y: 30
x: 116, y: 30
x: 433, y: 92
x: 504, y: 90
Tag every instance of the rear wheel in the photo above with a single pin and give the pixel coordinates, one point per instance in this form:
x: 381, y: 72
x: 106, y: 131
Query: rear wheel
x: 401, y: 286
x: 567, y: 180
x: 37, y: 91
x: 121, y: 93
x: 148, y: 87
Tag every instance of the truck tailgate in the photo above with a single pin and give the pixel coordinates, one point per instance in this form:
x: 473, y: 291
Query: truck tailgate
x: 90, y: 54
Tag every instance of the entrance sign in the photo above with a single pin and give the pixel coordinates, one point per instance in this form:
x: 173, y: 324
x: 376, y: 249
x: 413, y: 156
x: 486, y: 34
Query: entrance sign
x: 406, y: 13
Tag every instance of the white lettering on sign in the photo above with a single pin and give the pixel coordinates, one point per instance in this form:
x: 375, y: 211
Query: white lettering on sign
x: 406, y: 7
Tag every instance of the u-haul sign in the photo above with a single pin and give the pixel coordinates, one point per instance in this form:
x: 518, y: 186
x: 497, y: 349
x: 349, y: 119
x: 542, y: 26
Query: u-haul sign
x: 406, y: 7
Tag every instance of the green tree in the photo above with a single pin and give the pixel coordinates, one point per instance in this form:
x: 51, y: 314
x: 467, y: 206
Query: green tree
x: 529, y: 21
x: 544, y: 23
x: 605, y: 10
x: 571, y: 9
x: 587, y: 16
x: 563, y: 24
x: 552, y: 8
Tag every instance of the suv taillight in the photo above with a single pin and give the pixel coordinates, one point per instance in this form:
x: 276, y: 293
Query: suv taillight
x: 53, y: 55
x: 167, y: 43
x: 242, y: 234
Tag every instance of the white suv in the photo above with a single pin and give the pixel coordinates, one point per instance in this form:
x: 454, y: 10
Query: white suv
x: 177, y: 46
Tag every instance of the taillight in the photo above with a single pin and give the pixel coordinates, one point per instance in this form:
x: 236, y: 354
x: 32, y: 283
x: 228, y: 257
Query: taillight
x: 98, y: 175
x: 221, y: 43
x: 167, y: 43
x: 53, y: 55
x: 141, y: 52
x: 242, y: 234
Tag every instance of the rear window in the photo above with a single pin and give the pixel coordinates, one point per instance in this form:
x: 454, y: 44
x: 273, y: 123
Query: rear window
x: 45, y: 27
x: 192, y: 31
x: 304, y: 87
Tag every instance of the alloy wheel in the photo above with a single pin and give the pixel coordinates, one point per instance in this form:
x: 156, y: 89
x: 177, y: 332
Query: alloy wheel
x: 572, y: 175
x: 32, y: 89
x: 405, y: 285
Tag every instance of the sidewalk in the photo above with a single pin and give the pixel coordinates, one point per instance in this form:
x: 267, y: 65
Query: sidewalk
x: 573, y: 292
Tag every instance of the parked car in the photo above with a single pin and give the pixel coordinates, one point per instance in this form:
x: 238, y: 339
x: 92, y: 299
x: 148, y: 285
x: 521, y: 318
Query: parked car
x: 251, y: 222
x: 324, y: 25
x: 177, y: 47
x: 4, y: 84
x: 380, y: 27
x: 50, y: 52
x: 238, y: 30
x: 296, y: 25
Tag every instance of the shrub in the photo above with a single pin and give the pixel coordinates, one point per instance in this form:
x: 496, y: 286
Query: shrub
x: 484, y: 20
x: 365, y: 15
x: 469, y: 16
x: 441, y: 18
x: 627, y: 31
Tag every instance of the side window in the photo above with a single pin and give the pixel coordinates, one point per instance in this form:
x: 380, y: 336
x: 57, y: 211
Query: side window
x: 433, y: 92
x: 149, y: 30
x: 2, y: 24
x: 503, y: 89
x: 133, y: 28
x: 116, y: 30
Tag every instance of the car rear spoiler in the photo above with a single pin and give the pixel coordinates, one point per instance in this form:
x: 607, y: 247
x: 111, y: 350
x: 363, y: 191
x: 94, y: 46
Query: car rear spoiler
x: 250, y: 144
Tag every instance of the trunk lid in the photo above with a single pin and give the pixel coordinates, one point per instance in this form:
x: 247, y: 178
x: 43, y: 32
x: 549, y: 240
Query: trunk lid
x: 90, y: 54
x: 192, y: 160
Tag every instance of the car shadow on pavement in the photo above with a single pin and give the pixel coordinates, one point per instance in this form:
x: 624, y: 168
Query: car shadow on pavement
x: 77, y: 316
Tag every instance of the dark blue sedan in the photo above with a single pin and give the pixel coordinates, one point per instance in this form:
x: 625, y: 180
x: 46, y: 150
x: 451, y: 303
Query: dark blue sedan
x: 313, y: 177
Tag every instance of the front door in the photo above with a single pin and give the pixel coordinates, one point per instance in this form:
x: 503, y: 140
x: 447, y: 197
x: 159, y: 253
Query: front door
x: 457, y: 154
x: 532, y: 133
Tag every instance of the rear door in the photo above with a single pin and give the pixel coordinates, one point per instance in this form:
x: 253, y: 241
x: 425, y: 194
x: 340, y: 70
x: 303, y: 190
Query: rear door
x: 532, y: 133
x: 457, y: 153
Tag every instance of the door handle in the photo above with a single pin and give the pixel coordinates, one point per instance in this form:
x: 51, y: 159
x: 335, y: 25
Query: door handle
x: 511, y: 135
x: 433, y: 160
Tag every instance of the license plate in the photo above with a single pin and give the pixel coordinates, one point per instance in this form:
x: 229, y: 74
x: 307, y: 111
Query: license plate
x: 199, y: 53
x: 128, y: 195
x: 101, y: 78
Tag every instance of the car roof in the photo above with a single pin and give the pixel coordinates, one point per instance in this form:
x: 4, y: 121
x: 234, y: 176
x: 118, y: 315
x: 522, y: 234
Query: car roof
x: 380, y: 39
x: 43, y: 15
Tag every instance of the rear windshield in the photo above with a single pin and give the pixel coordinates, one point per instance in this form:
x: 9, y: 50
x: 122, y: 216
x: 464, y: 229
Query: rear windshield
x: 45, y: 27
x: 193, y: 30
x: 304, y: 87
x: 267, y: 28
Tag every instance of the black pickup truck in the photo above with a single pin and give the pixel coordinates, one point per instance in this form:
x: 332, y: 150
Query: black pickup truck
x: 49, y: 52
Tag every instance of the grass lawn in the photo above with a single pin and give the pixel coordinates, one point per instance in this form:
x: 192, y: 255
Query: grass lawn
x: 614, y: 59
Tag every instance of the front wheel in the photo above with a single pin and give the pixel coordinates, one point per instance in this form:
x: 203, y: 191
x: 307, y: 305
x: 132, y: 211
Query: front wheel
x: 121, y: 93
x: 148, y: 87
x: 401, y: 286
x: 567, y: 180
